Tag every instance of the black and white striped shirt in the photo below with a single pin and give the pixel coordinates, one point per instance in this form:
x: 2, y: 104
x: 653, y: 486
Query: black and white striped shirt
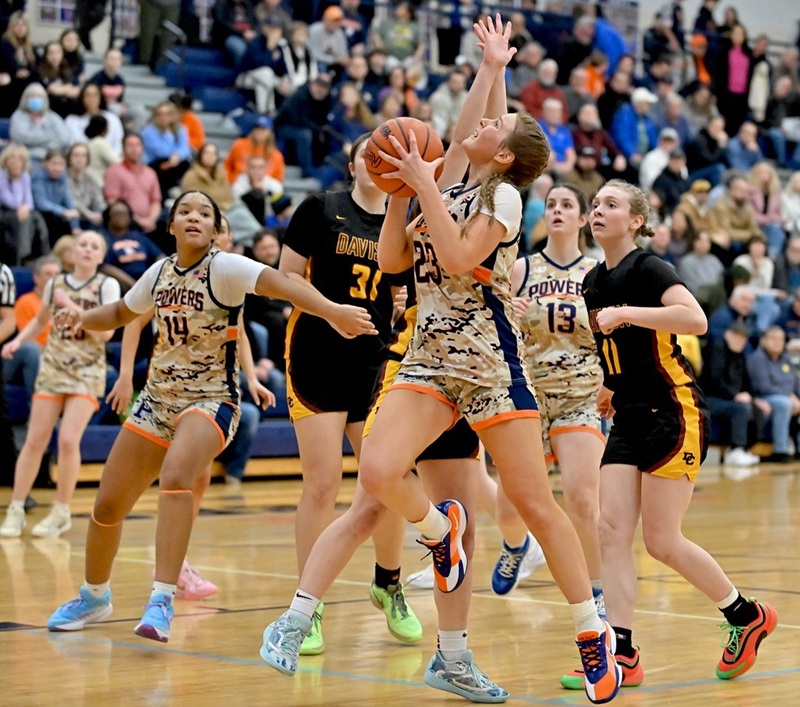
x: 7, y: 288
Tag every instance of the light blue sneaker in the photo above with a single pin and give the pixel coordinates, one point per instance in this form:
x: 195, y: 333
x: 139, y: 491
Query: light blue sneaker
x: 599, y: 602
x: 75, y: 614
x: 506, y: 574
x: 156, y: 619
x: 282, y: 641
x: 463, y: 677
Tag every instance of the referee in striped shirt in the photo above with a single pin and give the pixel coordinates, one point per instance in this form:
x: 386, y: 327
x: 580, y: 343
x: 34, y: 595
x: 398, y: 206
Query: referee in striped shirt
x: 8, y: 452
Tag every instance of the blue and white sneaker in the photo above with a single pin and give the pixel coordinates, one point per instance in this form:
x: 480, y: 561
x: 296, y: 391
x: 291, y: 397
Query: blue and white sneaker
x: 282, y: 641
x: 599, y: 602
x: 515, y: 565
x: 156, y: 619
x: 449, y: 559
x: 75, y: 614
x: 464, y: 678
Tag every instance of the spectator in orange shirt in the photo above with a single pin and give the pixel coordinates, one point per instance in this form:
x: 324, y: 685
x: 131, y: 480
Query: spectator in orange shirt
x: 23, y: 367
x: 189, y: 120
x: 259, y: 143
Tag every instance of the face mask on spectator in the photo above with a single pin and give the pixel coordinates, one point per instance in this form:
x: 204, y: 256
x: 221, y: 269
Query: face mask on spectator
x: 35, y: 104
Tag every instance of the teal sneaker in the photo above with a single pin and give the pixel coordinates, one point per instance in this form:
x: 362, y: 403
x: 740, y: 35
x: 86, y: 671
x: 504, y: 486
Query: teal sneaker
x: 157, y: 618
x: 400, y: 617
x: 75, y: 614
x: 314, y: 643
x: 281, y: 644
x: 464, y: 678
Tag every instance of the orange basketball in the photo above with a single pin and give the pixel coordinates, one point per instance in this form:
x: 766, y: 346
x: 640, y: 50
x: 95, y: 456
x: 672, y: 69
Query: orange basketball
x: 428, y: 143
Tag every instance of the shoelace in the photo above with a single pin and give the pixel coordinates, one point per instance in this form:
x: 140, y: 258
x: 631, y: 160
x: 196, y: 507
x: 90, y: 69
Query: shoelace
x: 592, y: 655
x: 439, y: 552
x: 731, y: 641
x: 508, y: 564
x: 289, y: 638
x: 472, y: 672
x: 159, y: 605
x: 399, y: 603
x: 194, y: 575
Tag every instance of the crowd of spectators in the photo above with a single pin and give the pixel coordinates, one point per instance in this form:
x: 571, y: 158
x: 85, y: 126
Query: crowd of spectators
x: 707, y: 123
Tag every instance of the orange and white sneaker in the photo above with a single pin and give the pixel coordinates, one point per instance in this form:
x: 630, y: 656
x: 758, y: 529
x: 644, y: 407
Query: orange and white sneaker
x: 192, y: 586
x: 602, y: 674
x: 632, y: 673
x: 449, y: 560
x: 742, y: 642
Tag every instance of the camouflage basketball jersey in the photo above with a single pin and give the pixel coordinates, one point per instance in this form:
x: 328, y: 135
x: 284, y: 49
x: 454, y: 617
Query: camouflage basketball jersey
x: 195, y: 352
x: 466, y: 327
x: 560, y: 349
x: 74, y: 364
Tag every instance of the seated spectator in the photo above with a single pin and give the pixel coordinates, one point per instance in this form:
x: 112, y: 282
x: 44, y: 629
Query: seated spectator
x: 295, y: 65
x: 328, y: 41
x: 672, y: 182
x: 37, y: 127
x: 398, y: 82
x: 52, y: 197
x: 656, y: 160
x: 786, y: 276
x: 575, y: 50
x: 705, y: 155
x: 735, y: 214
x: 526, y: 70
x: 696, y: 207
x: 540, y: 89
x: 658, y: 214
x: 24, y: 234
x: 17, y: 62
x: 350, y: 118
x: 357, y: 73
x: 762, y: 271
x: 562, y: 149
x: 790, y: 204
x: 533, y: 225
x: 135, y: 183
x: 399, y: 35
x: 659, y: 244
x: 257, y: 67
x: 130, y: 252
x: 776, y: 389
x: 659, y: 39
x: 584, y: 174
x: 59, y: 81
x: 700, y: 109
x: 743, y: 151
x: 255, y: 188
x: 577, y: 92
x: 765, y: 198
x: 73, y: 56
x: 702, y: 273
x: 589, y: 132
x: 207, y: 174
x: 674, y: 117
x: 783, y: 104
x: 682, y: 231
x: 617, y: 94
x: 87, y: 193
x: 234, y: 25
x: 355, y: 26
x: 726, y: 385
x: 300, y: 124
x: 111, y: 83
x: 189, y: 119
x: 89, y: 104
x: 738, y: 308
x: 260, y: 142
x: 632, y: 128
x: 101, y: 154
x: 166, y: 146
x: 272, y: 12
x: 446, y: 103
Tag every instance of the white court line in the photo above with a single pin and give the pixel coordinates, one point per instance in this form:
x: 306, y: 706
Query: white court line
x: 479, y: 595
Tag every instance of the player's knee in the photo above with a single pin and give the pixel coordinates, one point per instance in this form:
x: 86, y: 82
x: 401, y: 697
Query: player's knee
x: 68, y: 445
x: 174, y: 477
x: 106, y: 512
x: 584, y: 507
x: 660, y: 545
x: 374, y: 474
x: 612, y: 532
x: 320, y: 492
x: 365, y: 518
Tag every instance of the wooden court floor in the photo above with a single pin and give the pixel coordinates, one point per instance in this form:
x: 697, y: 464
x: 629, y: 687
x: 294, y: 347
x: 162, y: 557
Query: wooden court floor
x: 244, y: 543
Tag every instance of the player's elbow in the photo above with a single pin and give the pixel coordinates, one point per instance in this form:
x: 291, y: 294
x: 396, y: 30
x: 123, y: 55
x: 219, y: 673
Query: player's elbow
x: 392, y: 262
x: 697, y: 323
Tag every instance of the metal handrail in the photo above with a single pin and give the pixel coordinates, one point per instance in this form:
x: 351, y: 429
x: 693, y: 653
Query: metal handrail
x: 178, y: 57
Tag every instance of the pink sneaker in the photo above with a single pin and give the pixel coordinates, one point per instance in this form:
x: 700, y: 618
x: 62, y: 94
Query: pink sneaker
x: 192, y: 586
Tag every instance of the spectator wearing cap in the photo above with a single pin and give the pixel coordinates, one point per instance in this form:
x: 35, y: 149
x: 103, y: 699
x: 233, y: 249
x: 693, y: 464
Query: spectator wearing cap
x: 207, y: 174
x: 632, y: 128
x: 562, y: 149
x: 705, y: 155
x: 327, y: 40
x: 588, y: 132
x: 726, y: 384
x: 259, y: 141
x: 577, y: 49
x: 234, y: 26
x: 672, y: 183
x: 696, y: 206
x: 300, y: 124
x: 540, y: 89
x: 655, y: 161
x: 585, y: 175
x: 743, y: 150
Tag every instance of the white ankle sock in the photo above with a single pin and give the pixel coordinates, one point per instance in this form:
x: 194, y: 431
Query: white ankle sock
x: 728, y: 600
x: 96, y: 590
x: 434, y: 525
x: 303, y: 607
x: 452, y: 644
x: 584, y: 614
x: 16, y: 504
x: 163, y: 588
x: 61, y: 507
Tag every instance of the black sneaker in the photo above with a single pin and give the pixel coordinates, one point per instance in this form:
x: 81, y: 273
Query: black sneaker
x: 777, y: 458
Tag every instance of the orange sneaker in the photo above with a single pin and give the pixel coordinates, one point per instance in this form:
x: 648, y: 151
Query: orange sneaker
x: 742, y: 642
x: 449, y: 559
x: 602, y: 675
x: 632, y: 673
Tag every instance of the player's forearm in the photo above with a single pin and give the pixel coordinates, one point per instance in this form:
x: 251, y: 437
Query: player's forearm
x: 497, y: 104
x: 31, y: 330
x: 445, y: 235
x: 476, y: 103
x: 7, y: 326
x: 107, y: 317
x: 130, y: 344
x: 246, y: 356
x: 674, y: 318
x: 394, y: 250
x: 272, y: 283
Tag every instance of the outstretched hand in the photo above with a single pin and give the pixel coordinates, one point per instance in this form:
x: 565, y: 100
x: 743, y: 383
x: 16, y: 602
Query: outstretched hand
x: 411, y: 168
x: 352, y: 321
x: 68, y: 319
x: 493, y: 39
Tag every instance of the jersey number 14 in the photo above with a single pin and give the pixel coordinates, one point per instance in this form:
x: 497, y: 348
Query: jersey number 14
x: 177, y: 329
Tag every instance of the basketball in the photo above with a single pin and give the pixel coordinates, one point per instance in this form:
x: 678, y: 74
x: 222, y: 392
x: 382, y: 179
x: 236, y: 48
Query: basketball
x: 428, y: 143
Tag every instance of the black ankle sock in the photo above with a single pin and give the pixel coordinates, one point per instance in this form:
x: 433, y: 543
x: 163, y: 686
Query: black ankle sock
x: 624, y: 642
x: 741, y: 612
x: 384, y: 577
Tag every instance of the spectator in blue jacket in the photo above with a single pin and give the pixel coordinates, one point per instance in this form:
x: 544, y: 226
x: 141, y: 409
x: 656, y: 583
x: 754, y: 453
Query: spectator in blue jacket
x: 632, y: 128
x: 166, y: 146
x: 776, y: 389
x: 739, y: 308
x: 743, y: 150
x: 53, y: 198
